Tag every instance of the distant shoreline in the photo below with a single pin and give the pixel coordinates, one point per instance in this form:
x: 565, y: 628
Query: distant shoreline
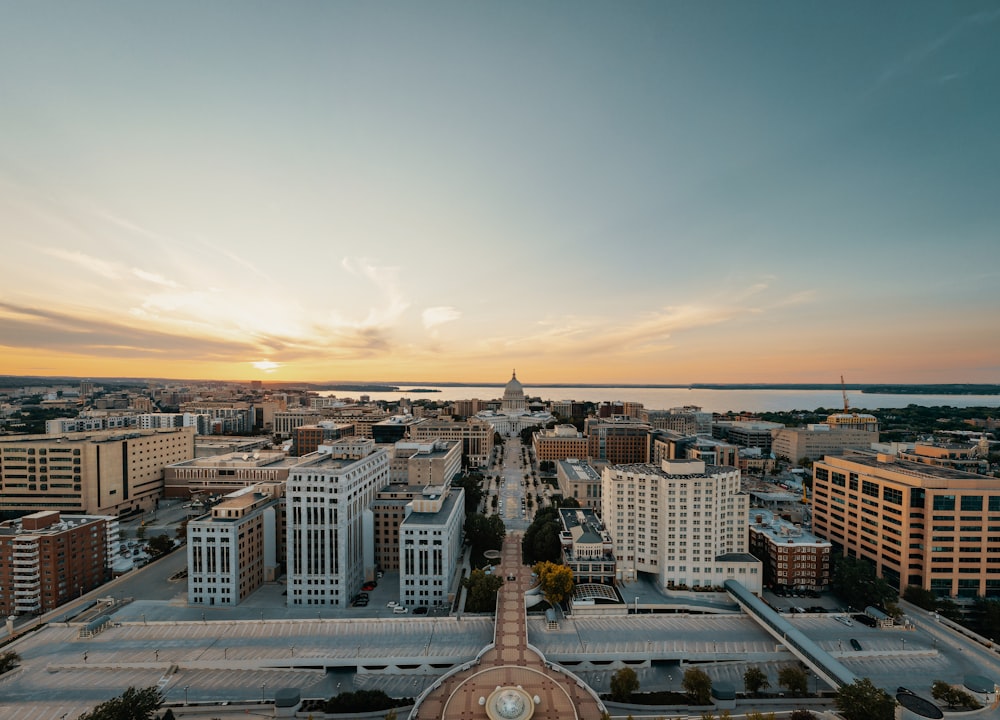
x: 430, y: 387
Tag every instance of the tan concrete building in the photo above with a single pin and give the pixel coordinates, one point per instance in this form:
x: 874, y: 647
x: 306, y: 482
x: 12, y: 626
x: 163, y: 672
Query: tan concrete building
x: 234, y: 549
x: 960, y: 457
x: 224, y: 474
x: 559, y: 443
x: 933, y: 527
x: 47, y: 559
x: 579, y: 479
x: 617, y: 442
x: 815, y: 441
x: 106, y: 473
x: 476, y: 437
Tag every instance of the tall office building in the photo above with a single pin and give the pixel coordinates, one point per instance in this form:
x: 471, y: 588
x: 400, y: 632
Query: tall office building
x: 933, y: 527
x: 684, y: 522
x: 233, y: 549
x: 105, y: 473
x: 430, y: 544
x: 330, y: 533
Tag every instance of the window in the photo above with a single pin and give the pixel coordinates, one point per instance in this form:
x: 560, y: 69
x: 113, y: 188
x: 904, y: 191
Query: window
x: 944, y: 502
x: 972, y: 502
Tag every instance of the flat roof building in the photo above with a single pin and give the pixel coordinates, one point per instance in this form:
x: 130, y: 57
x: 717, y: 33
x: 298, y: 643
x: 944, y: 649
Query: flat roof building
x: 430, y: 544
x: 792, y: 557
x: 933, y: 527
x: 224, y: 474
x: 815, y: 441
x: 100, y: 473
x: 587, y: 547
x: 580, y: 480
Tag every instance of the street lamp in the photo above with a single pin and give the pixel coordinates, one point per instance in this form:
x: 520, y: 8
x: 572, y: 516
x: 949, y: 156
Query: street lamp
x: 262, y: 686
x: 156, y: 654
x: 292, y: 650
x: 186, y: 694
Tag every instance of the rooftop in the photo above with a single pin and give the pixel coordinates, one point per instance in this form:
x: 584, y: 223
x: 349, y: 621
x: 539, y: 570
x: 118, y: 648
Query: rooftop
x: 781, y: 531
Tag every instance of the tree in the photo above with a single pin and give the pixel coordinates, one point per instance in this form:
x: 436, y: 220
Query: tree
x: 391, y: 715
x: 168, y: 715
x: 623, y: 683
x: 757, y: 715
x: 952, y: 696
x: 920, y: 597
x: 140, y: 532
x: 861, y: 700
x: 541, y: 539
x: 482, y: 591
x: 698, y: 685
x: 182, y: 531
x: 160, y: 545
x: 484, y: 533
x: 801, y: 714
x: 794, y: 679
x: 130, y: 705
x: 854, y: 580
x: 472, y: 484
x: 556, y: 581
x: 755, y: 680
x: 8, y: 661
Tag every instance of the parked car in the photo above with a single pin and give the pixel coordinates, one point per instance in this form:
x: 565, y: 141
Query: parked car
x: 422, y: 610
x: 855, y: 644
x: 391, y: 604
x: 400, y: 610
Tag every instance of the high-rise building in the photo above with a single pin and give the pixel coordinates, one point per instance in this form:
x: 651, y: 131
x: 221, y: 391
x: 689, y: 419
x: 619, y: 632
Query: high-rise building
x: 684, y: 522
x: 233, y: 550
x: 559, y: 443
x: 933, y: 527
x: 619, y: 441
x: 47, y: 559
x: 330, y: 536
x: 430, y: 544
x: 105, y: 473
x: 475, y: 435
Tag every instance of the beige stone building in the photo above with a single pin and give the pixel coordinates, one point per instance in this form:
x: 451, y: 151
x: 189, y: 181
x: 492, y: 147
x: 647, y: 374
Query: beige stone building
x: 933, y: 527
x: 476, y: 437
x: 224, y: 474
x: 579, y: 479
x: 815, y: 441
x: 102, y: 473
x: 559, y: 443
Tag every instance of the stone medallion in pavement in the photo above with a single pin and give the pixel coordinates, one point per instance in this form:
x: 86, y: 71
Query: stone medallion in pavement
x: 509, y: 681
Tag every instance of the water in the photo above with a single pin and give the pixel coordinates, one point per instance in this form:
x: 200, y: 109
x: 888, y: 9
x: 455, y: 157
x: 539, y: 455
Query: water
x: 708, y: 400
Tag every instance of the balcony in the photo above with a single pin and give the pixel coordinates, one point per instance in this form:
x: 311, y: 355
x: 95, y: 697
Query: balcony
x: 28, y: 594
x: 25, y: 606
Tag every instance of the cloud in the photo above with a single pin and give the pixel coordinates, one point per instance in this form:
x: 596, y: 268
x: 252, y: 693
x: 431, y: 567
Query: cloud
x: 154, y: 278
x: 385, y: 279
x: 267, y: 365
x: 434, y: 316
x: 109, y: 270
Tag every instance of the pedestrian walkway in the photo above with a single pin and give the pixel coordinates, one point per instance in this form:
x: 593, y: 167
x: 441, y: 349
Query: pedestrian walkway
x: 509, y: 663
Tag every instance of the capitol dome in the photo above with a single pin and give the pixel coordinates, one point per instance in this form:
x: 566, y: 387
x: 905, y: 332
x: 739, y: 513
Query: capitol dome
x: 513, y: 395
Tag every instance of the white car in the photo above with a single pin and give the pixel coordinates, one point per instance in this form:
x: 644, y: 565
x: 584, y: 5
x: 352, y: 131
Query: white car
x: 391, y: 604
x: 846, y: 620
x: 400, y: 610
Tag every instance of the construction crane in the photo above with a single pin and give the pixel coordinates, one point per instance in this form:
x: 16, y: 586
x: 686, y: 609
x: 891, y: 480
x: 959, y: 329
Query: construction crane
x: 843, y: 390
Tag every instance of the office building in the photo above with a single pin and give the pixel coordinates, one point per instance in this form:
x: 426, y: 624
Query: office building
x: 580, y: 480
x: 47, y: 559
x: 233, y: 550
x: 559, y: 443
x: 933, y: 527
x: 619, y: 441
x: 224, y: 474
x: 330, y: 533
x: 683, y: 522
x: 394, y: 429
x: 226, y: 417
x: 430, y: 543
x: 746, y: 434
x: 475, y: 435
x: 815, y: 441
x: 101, y: 473
x: 308, y: 438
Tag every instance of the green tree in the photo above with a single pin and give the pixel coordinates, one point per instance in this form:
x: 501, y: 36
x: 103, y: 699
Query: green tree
x: 541, y: 539
x: 624, y: 682
x: 855, y: 582
x: 861, y: 700
x: 132, y: 704
x: 160, y: 545
x: 484, y: 533
x: 8, y: 661
x: 482, y: 591
x: 472, y: 484
x: 698, y: 685
x: 794, y: 679
x: 755, y: 680
x: 920, y: 597
x: 952, y: 696
x: 556, y: 581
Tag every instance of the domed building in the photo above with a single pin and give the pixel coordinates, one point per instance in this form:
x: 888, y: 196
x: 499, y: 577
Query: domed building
x: 513, y: 416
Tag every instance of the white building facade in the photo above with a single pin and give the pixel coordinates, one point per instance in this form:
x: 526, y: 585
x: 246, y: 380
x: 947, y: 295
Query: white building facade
x: 430, y: 545
x: 683, y: 522
x: 330, y: 535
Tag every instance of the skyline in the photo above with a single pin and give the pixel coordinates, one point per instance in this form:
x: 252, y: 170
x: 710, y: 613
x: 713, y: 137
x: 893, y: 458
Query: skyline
x: 592, y: 193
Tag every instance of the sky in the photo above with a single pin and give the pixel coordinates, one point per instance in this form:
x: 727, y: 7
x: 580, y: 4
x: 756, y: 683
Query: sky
x: 593, y: 192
